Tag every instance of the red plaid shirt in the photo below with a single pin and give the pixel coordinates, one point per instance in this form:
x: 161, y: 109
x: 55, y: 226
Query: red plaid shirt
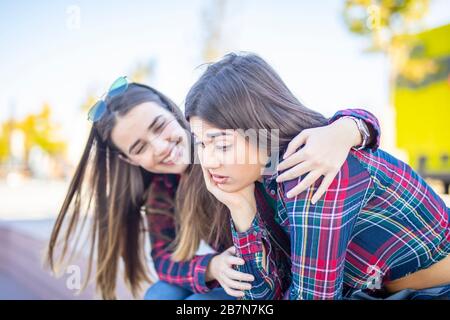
x: 161, y: 226
x: 377, y: 222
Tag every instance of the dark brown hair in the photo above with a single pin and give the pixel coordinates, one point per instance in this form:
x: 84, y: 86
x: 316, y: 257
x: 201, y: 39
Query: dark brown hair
x: 200, y: 216
x: 242, y: 91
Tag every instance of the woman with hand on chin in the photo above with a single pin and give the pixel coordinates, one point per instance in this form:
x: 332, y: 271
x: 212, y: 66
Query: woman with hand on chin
x: 136, y: 160
x: 378, y: 230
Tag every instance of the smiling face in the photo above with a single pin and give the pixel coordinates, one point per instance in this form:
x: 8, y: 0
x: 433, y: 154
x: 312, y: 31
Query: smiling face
x: 151, y: 137
x: 231, y: 160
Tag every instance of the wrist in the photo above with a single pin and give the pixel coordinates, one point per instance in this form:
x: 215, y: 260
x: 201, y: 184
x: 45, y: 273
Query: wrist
x: 352, y: 132
x: 209, y: 275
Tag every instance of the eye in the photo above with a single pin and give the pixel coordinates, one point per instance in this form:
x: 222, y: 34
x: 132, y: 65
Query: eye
x: 223, y: 145
x: 142, y: 148
x: 197, y: 142
x: 160, y: 125
x: 223, y: 148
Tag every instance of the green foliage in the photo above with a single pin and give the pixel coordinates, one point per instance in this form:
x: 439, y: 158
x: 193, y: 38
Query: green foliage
x: 383, y: 20
x: 38, y: 129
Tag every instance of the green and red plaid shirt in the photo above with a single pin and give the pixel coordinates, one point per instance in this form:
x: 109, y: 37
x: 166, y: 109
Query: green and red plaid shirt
x: 161, y: 226
x: 377, y: 222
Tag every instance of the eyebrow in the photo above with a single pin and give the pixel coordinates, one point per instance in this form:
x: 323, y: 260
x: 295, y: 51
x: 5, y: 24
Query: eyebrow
x: 150, y: 127
x: 217, y: 134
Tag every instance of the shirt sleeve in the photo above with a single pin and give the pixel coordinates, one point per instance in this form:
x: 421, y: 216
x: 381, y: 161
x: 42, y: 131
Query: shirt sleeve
x: 370, y: 120
x: 320, y: 233
x: 190, y: 274
x: 249, y: 246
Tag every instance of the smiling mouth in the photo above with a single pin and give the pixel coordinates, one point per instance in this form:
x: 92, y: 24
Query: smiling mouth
x: 173, y: 156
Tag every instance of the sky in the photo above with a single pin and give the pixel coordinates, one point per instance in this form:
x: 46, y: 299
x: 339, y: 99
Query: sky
x: 45, y: 58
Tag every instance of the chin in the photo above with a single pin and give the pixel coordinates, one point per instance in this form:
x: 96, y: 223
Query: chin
x: 176, y: 169
x: 229, y: 187
x: 180, y: 168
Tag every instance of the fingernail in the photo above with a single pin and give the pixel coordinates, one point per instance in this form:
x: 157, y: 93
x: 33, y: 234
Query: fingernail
x: 289, y: 195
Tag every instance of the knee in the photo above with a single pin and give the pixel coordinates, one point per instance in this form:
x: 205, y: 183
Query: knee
x: 162, y: 290
x: 215, y: 294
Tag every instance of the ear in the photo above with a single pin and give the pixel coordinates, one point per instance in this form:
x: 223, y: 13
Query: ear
x: 129, y: 161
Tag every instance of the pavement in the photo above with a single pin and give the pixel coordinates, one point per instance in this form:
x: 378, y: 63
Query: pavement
x: 28, y: 211
x: 12, y: 289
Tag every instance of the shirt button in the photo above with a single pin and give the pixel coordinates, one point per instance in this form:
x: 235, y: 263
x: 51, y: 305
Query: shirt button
x: 255, y: 233
x: 272, y: 192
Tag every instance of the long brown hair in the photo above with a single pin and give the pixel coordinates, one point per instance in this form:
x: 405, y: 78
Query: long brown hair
x: 114, y: 192
x: 200, y: 216
x: 242, y: 91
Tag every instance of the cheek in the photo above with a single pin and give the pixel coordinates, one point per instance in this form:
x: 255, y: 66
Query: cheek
x: 241, y: 177
x: 244, y: 174
x: 146, y: 161
x: 200, y: 154
x: 252, y: 172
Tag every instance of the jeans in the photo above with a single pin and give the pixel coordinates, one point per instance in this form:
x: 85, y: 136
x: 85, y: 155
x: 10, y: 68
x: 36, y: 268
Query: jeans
x: 434, y: 293
x: 162, y: 290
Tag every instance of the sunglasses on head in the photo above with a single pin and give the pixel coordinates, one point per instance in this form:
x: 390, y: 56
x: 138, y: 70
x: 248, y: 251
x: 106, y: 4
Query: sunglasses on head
x: 97, y: 111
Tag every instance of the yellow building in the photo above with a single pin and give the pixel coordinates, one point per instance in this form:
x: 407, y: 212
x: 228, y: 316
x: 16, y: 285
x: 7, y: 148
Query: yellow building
x: 422, y: 103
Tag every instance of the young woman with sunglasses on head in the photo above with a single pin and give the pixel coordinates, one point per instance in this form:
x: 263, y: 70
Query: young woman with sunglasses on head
x: 136, y: 172
x: 378, y: 231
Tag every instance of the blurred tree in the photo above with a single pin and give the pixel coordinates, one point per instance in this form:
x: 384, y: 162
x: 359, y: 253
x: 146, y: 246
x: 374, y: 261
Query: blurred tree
x: 390, y: 26
x: 141, y: 72
x: 213, y: 18
x: 39, y: 130
x: 89, y: 101
x: 5, y: 132
x: 419, y: 71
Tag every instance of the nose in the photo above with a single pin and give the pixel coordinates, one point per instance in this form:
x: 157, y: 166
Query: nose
x: 208, y: 159
x: 160, y: 147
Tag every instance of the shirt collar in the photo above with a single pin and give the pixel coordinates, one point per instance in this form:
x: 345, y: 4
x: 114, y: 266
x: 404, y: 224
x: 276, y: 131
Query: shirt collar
x: 169, y: 180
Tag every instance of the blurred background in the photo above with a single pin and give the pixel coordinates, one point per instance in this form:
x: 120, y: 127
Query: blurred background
x: 391, y: 57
